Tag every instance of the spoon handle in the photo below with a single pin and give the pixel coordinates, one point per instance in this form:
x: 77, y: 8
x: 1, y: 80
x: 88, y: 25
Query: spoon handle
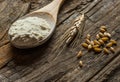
x: 52, y: 8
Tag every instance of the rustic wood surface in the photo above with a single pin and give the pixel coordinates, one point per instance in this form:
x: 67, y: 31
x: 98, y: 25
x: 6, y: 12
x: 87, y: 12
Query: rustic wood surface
x: 41, y: 64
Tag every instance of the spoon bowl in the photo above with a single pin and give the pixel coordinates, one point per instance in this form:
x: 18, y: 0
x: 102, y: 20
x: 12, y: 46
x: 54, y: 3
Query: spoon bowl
x: 49, y: 14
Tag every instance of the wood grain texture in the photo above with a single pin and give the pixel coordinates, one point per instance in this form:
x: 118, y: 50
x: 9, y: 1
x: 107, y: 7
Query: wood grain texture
x: 41, y: 64
x: 10, y: 10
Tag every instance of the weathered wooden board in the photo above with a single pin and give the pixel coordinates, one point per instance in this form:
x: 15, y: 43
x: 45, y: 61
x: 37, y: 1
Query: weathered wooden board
x: 41, y: 64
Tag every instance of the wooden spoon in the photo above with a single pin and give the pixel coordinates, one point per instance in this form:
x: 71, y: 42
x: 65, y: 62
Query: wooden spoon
x: 49, y: 13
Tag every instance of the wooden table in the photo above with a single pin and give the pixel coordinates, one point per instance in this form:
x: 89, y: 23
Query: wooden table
x: 41, y: 64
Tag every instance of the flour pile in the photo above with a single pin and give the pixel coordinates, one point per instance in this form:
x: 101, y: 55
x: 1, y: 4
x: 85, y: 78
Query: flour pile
x: 29, y: 29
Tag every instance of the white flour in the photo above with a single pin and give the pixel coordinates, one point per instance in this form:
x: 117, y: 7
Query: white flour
x: 30, y: 27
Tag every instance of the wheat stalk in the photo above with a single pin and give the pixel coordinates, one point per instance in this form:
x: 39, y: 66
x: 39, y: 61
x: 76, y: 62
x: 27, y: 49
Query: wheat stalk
x: 72, y: 36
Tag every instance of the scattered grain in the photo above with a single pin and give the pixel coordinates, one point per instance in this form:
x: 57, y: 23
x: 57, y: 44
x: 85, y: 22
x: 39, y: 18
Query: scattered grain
x: 103, y: 27
x: 97, y: 50
x: 110, y: 44
x: 89, y: 47
x: 107, y: 34
x: 80, y: 63
x: 113, y: 41
x: 96, y: 42
x: 88, y: 36
x: 97, y: 36
x: 102, y: 30
x: 105, y: 39
x: 85, y: 45
x: 88, y: 41
x: 112, y: 49
x: 101, y: 34
x: 106, y: 51
x: 96, y: 46
x: 101, y: 41
x: 79, y: 54
x: 92, y: 43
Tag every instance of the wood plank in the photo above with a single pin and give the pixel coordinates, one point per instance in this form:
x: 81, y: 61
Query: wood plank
x: 9, y: 12
x: 42, y: 65
x: 108, y: 70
